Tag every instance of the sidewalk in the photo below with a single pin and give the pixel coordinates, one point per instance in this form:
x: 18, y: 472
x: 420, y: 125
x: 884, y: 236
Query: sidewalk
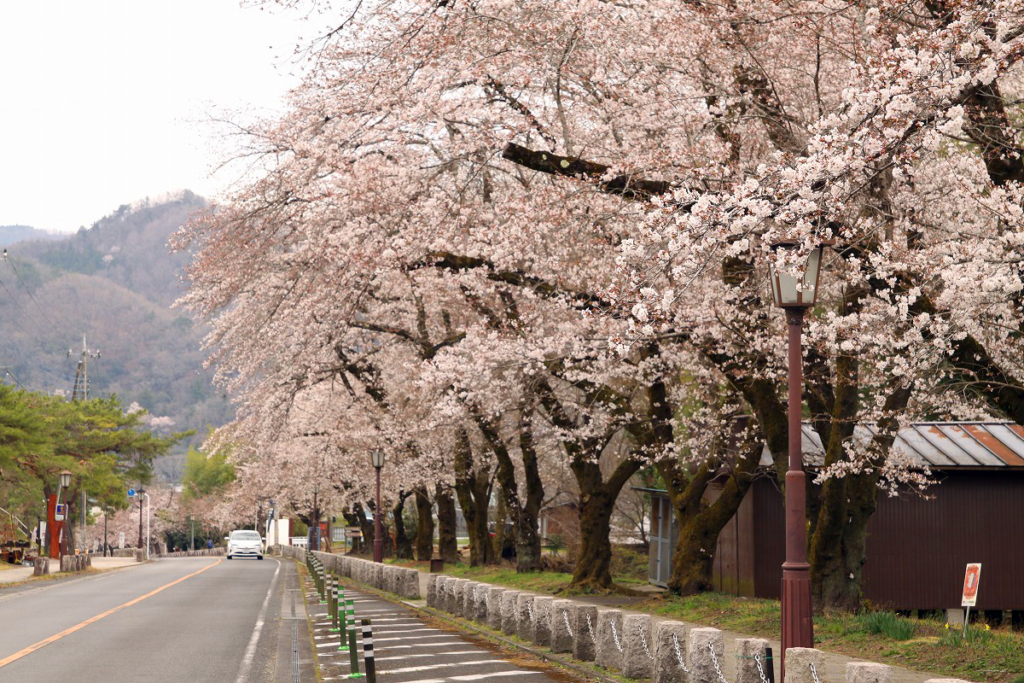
x: 835, y: 663
x: 19, y: 574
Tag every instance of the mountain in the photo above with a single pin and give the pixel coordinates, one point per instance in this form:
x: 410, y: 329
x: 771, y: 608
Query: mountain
x: 10, y: 234
x: 114, y: 283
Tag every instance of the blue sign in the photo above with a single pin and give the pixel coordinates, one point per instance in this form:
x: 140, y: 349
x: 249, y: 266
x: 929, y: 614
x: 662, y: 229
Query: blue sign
x: 131, y: 493
x: 59, y: 512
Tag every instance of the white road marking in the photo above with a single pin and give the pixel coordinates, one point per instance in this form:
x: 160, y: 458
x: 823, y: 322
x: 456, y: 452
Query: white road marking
x: 381, y: 640
x: 250, y: 651
x: 477, y: 677
x: 429, y: 667
x: 407, y: 647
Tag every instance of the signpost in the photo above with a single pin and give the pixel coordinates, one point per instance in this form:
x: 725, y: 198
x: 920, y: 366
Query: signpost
x: 120, y: 540
x: 59, y: 511
x: 131, y: 493
x: 972, y: 578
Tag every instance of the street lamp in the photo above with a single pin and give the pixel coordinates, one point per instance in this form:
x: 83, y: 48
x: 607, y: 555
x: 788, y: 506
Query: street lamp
x: 793, y: 294
x: 377, y: 458
x: 65, y: 479
x: 57, y: 530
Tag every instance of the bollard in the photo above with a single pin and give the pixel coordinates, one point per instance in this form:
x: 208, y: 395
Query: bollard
x: 371, y: 669
x: 332, y: 605
x: 637, y: 646
x: 867, y: 672
x: 804, y: 665
x: 540, y: 634
x: 707, y: 652
x: 752, y: 660
x: 508, y: 612
x: 669, y: 653
x: 348, y: 635
x: 584, y: 645
x: 609, y: 648
x: 563, y: 616
x: 338, y: 616
x: 480, y: 595
x: 524, y: 616
x: 410, y: 584
x: 494, y: 607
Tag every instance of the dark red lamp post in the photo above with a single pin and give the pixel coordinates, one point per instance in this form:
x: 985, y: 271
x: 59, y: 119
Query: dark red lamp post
x: 794, y: 294
x: 377, y: 458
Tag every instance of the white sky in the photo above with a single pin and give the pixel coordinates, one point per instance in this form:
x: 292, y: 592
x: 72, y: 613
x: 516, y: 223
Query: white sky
x: 104, y: 102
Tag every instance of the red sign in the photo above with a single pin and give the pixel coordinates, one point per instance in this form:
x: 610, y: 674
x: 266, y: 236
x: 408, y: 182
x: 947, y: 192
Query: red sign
x: 971, y: 580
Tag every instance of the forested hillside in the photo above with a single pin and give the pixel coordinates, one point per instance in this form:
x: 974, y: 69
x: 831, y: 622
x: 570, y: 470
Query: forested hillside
x: 113, y: 282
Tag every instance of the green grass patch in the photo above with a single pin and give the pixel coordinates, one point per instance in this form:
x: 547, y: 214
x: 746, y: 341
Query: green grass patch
x: 888, y: 624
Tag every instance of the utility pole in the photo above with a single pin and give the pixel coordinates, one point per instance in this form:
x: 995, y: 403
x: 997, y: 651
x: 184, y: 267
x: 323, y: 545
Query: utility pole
x: 81, y: 388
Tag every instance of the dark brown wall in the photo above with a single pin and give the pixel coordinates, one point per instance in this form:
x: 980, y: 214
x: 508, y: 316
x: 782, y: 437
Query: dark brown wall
x: 917, y: 548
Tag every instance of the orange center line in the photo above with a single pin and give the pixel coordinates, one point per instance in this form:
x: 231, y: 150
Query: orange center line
x: 68, y: 631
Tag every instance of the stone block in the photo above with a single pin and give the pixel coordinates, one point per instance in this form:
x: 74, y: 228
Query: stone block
x: 469, y: 600
x: 459, y: 604
x: 868, y: 672
x: 637, y: 646
x: 563, y: 616
x: 509, y: 612
x: 448, y: 603
x: 494, y: 596
x: 524, y: 616
x: 704, y: 642
x: 540, y: 634
x: 798, y: 665
x: 482, y: 589
x: 40, y: 566
x: 746, y: 666
x: 609, y: 639
x: 584, y: 645
x: 432, y: 583
x: 410, y: 584
x: 670, y: 646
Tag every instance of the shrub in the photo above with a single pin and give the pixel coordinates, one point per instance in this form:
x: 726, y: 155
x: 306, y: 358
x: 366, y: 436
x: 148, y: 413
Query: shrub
x: 972, y: 637
x: 889, y: 624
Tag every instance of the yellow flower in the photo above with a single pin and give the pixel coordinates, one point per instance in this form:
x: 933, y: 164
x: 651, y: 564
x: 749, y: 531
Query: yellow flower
x: 946, y: 627
x: 987, y: 627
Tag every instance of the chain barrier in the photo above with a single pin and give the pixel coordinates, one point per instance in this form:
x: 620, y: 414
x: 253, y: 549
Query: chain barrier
x: 643, y: 640
x: 714, y: 660
x: 679, y: 655
x: 814, y: 673
x: 565, y: 618
x: 590, y: 627
x: 760, y: 669
x: 615, y: 636
x: 529, y: 609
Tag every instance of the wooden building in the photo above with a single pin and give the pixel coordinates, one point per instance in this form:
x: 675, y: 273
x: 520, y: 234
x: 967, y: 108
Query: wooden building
x: 917, y: 546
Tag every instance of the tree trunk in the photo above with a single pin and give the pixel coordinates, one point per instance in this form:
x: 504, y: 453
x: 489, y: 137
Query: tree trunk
x: 446, y: 523
x: 500, y: 522
x: 403, y: 544
x: 352, y: 519
x: 597, y: 503
x: 366, y: 524
x: 424, y: 525
x: 474, y: 492
x: 528, y: 515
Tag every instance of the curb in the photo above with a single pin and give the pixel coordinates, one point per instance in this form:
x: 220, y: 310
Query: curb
x: 463, y: 625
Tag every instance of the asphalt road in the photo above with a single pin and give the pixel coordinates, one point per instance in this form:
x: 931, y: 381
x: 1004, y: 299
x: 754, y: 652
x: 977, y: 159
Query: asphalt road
x: 184, y: 619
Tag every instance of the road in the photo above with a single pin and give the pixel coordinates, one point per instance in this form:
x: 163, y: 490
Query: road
x: 184, y: 619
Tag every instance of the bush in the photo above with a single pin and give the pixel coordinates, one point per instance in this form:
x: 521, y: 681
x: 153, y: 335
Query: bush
x: 889, y: 624
x: 955, y: 637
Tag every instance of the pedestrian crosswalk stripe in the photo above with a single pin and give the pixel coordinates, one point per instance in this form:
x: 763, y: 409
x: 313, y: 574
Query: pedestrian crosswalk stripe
x: 477, y: 677
x: 429, y: 667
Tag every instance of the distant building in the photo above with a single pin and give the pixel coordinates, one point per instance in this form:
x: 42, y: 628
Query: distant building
x: 917, y: 548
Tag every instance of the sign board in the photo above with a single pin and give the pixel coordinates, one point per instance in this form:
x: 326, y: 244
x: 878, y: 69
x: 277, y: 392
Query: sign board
x: 971, y: 580
x: 131, y: 493
x: 120, y: 540
x: 299, y: 541
x: 354, y: 532
x: 60, y: 511
x: 337, y: 534
x: 42, y: 532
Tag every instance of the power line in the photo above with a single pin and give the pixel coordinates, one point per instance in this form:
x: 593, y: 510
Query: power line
x: 14, y: 267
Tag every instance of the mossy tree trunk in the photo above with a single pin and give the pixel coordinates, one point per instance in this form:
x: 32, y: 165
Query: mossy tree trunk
x: 473, y: 488
x: 403, y: 544
x: 448, y: 544
x: 424, y: 525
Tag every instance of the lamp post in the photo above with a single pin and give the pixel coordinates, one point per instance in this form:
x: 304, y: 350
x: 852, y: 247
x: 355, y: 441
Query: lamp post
x: 795, y: 294
x: 57, y: 530
x: 147, y: 523
x: 377, y: 458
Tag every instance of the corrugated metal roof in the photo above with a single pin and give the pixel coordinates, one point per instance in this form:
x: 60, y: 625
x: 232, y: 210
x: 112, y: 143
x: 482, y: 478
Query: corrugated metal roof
x: 939, y: 445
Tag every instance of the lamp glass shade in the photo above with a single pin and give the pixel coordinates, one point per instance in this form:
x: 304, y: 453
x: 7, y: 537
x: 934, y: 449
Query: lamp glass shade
x: 377, y: 458
x: 65, y: 479
x: 792, y: 291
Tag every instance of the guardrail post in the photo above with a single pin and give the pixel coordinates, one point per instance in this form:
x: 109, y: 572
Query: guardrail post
x: 751, y: 660
x: 637, y: 646
x: 494, y: 594
x: 563, y: 616
x: 508, y: 612
x: 584, y: 645
x: 371, y: 670
x: 670, y: 653
x: 804, y: 665
x: 707, y: 654
x: 541, y: 631
x: 868, y: 672
x: 525, y: 615
x: 608, y: 651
